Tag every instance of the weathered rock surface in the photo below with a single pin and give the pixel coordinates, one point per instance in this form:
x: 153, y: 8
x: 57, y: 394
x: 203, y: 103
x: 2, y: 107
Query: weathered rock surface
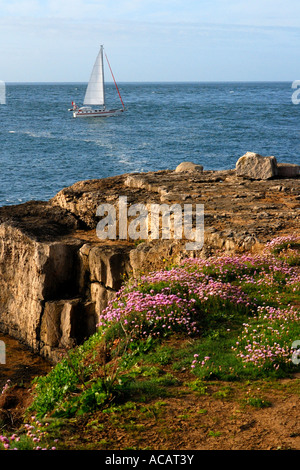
x: 288, y: 170
x: 189, y: 167
x: 253, y: 165
x: 56, y: 275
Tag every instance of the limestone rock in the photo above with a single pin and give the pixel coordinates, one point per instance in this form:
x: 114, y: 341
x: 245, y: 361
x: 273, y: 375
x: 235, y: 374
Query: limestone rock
x: 108, y: 264
x: 100, y: 297
x: 31, y: 273
x: 257, y: 167
x: 65, y: 323
x: 288, y: 170
x: 189, y: 167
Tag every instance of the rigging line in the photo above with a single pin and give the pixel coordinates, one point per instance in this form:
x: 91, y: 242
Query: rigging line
x: 114, y: 80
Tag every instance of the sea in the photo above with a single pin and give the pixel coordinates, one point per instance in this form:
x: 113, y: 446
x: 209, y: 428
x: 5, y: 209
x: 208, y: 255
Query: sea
x: 44, y: 149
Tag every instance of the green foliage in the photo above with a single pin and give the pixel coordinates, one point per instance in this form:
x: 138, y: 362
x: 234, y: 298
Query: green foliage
x: 64, y: 379
x: 135, y: 350
x: 91, y: 398
x: 258, y: 402
x: 198, y: 386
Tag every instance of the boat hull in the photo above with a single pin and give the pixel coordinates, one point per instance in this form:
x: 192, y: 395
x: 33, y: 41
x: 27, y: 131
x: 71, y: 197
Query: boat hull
x: 95, y: 113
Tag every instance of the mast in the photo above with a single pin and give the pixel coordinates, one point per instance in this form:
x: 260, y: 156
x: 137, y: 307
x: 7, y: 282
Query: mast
x: 102, y: 65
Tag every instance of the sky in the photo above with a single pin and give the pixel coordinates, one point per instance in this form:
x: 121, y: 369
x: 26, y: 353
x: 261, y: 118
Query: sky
x: 150, y: 40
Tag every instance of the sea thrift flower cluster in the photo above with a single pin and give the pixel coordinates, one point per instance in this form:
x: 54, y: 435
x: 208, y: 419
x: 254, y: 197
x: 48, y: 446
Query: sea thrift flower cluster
x: 241, y: 267
x: 158, y: 313
x: 224, y: 291
x: 7, y: 442
x: 34, y: 434
x: 266, y: 341
x: 143, y: 313
x: 6, y: 386
x: 284, y: 240
x: 290, y: 314
x: 263, y: 270
x: 200, y: 362
x: 224, y: 264
x: 196, y: 285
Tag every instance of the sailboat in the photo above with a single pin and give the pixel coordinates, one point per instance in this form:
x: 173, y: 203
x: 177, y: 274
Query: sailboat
x: 95, y: 93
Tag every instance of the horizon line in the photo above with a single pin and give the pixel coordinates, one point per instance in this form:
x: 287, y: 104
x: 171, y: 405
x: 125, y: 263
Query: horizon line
x: 150, y: 81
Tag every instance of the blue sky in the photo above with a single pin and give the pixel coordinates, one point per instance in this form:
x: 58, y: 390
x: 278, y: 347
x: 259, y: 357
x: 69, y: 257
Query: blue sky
x: 157, y: 40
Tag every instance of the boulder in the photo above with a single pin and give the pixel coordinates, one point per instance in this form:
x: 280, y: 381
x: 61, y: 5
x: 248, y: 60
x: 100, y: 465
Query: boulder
x: 288, y: 170
x: 255, y: 166
x: 189, y: 167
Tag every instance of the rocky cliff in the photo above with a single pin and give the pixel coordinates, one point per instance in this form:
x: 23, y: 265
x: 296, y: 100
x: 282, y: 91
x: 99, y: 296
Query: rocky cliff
x: 56, y: 275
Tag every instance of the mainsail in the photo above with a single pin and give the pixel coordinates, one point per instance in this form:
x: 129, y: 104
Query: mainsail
x: 95, y: 90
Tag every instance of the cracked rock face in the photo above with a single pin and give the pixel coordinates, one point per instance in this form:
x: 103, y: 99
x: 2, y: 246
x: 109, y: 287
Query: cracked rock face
x: 57, y: 276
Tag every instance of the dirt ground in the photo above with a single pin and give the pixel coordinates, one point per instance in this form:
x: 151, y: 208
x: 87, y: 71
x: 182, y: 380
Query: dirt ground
x: 193, y: 422
x: 21, y: 367
x: 185, y: 420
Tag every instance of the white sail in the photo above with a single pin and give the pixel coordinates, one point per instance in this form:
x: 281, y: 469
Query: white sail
x: 95, y: 90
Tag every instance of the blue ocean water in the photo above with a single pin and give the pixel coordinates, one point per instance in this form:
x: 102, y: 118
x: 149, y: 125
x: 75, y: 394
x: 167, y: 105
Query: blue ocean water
x: 44, y: 149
